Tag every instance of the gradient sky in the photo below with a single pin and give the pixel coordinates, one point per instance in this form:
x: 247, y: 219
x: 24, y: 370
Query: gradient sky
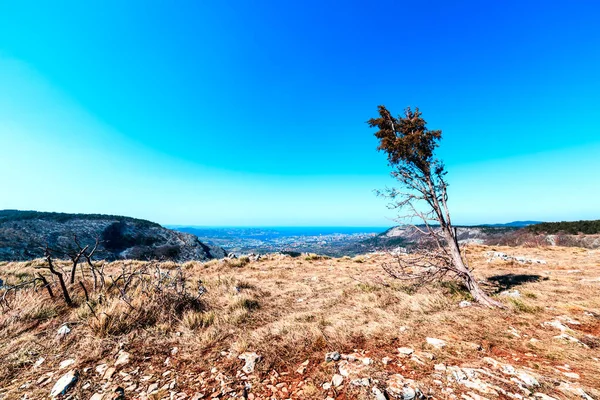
x: 253, y: 113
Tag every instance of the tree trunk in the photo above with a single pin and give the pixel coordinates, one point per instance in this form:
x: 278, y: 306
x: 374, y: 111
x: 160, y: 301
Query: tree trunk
x: 465, y: 274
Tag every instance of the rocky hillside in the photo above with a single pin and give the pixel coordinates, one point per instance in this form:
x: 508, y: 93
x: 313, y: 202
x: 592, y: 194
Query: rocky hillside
x: 24, y: 234
x: 493, y: 235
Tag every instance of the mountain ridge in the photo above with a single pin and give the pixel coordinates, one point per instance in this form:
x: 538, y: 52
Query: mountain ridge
x: 24, y: 234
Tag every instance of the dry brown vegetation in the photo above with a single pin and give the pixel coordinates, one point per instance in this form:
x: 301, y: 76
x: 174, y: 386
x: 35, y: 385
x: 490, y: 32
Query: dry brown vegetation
x: 289, y: 310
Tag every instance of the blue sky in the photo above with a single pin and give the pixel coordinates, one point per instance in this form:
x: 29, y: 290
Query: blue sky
x: 253, y: 113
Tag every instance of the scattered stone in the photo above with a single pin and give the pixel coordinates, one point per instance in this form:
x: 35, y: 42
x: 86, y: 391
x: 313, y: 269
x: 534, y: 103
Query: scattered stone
x: 399, y: 387
x: 327, y: 385
x: 62, y: 332
x: 439, y: 367
x: 101, y: 369
x: 337, y: 380
x: 251, y: 359
x: 437, y: 343
x: 386, y: 360
x: 571, y: 375
x: 64, y: 384
x: 66, y: 363
x: 361, y: 382
x: 543, y: 396
x: 122, y: 358
x: 302, y: 367
x: 514, y: 332
x: 378, y: 393
x: 513, y: 294
x: 39, y: 362
x: 332, y: 356
x: 464, y: 304
x: 152, y: 388
x: 568, y: 320
x: 556, y: 324
x: 109, y: 373
x: 569, y: 338
x: 347, y: 369
x: 407, y: 351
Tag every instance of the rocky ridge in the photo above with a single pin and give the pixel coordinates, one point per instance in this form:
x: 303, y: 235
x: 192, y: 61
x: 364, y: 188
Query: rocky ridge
x: 24, y: 234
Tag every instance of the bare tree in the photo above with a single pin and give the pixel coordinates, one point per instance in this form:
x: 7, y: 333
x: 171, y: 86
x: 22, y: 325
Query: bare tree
x: 423, y: 196
x: 59, y: 275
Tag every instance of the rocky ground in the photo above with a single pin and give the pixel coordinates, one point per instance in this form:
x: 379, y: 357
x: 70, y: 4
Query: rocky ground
x: 318, y: 328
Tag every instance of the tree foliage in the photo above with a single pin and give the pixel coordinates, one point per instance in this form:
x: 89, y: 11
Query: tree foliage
x: 573, y: 227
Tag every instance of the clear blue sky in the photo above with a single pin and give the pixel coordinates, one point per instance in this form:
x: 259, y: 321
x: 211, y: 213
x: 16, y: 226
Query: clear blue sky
x: 253, y: 113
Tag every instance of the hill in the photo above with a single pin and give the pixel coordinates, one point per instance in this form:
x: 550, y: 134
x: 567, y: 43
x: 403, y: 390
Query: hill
x: 570, y: 227
x: 24, y: 234
x: 307, y: 328
x: 584, y: 234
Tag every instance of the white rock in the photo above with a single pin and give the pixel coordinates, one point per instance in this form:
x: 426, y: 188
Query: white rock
x: 66, y: 363
x: 327, y: 385
x: 361, y: 382
x: 122, y: 358
x: 528, y: 379
x: 543, y: 396
x: 571, y: 375
x: 407, y: 351
x: 251, y: 359
x: 333, y: 356
x: 337, y: 380
x: 511, y: 293
x: 39, y: 362
x: 439, y: 367
x: 386, y: 360
x: 569, y: 338
x: 101, y: 369
x: 437, y: 343
x: 378, y: 393
x: 63, y: 331
x: 64, y: 384
x: 556, y: 324
x: 464, y: 304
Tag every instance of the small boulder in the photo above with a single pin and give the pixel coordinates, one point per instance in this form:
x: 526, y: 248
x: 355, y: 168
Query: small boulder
x: 64, y: 384
x: 66, y: 363
x: 62, y: 332
x: 122, y: 358
x: 251, y: 359
x: 333, y: 356
x: 337, y: 380
x: 406, y: 351
x: 437, y: 343
x: 378, y: 393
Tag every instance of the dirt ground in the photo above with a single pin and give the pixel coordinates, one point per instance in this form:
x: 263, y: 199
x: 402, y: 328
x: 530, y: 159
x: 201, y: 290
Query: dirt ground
x: 291, y: 312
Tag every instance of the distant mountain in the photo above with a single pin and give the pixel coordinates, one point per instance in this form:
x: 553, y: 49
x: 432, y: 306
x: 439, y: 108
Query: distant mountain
x: 23, y: 234
x: 514, y: 224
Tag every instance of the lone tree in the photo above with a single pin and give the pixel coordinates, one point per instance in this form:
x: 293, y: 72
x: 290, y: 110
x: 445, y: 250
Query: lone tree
x: 410, y: 149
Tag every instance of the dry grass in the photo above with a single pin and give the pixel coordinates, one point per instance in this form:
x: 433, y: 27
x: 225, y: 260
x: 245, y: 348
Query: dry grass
x: 290, y: 310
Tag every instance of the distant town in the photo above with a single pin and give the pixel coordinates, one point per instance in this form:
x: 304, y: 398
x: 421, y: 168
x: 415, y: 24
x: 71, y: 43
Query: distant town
x: 331, y: 241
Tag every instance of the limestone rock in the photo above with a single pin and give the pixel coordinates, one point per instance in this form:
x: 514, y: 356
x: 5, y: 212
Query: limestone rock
x: 337, y: 380
x: 437, y: 343
x: 251, y: 359
x: 332, y: 356
x: 65, y: 383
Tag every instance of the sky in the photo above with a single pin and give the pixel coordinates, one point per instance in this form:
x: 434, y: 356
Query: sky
x: 253, y: 113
